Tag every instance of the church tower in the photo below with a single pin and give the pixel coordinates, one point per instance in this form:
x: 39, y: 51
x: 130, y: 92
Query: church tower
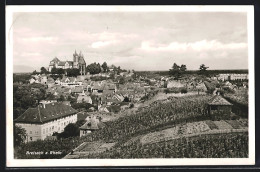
x: 75, y: 60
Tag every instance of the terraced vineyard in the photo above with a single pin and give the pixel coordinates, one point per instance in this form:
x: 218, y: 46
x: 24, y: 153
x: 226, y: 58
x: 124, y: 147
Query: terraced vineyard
x: 224, y: 134
x: 157, y: 115
x: 228, y: 145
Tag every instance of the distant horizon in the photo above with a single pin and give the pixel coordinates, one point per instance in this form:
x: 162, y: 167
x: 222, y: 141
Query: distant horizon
x: 165, y: 70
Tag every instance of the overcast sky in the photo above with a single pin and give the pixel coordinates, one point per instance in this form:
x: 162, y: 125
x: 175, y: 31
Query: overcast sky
x: 132, y: 40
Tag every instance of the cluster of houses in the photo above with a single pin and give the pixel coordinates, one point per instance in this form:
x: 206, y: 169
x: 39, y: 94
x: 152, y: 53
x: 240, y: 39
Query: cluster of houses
x: 107, y: 95
x: 51, y: 116
x: 225, y: 77
x: 39, y: 79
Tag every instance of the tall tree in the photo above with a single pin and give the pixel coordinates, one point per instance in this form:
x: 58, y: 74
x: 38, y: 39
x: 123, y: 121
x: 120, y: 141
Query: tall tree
x: 105, y: 67
x: 44, y: 70
x: 175, y: 71
x: 71, y: 130
x: 19, y: 135
x: 183, y: 68
x: 203, y: 69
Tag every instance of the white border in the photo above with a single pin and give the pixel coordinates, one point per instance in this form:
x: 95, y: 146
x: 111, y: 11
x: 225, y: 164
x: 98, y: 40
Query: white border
x: 11, y: 162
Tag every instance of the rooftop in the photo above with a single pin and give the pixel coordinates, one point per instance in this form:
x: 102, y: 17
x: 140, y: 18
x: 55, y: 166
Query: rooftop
x: 93, y: 124
x: 218, y: 100
x: 42, y: 114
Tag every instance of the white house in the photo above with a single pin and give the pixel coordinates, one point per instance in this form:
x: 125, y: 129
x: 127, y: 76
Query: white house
x: 46, y: 119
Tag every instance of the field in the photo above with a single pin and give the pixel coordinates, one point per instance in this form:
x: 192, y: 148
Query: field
x: 229, y: 145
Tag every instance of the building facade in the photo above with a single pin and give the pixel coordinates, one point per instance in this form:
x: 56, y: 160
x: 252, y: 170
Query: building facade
x: 45, y: 119
x: 233, y: 76
x: 77, y: 63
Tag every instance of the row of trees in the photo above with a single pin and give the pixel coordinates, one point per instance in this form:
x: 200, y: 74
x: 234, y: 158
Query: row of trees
x: 177, y: 71
x: 96, y: 68
x: 25, y: 96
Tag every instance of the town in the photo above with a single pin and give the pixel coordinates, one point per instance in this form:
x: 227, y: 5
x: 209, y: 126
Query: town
x: 102, y: 111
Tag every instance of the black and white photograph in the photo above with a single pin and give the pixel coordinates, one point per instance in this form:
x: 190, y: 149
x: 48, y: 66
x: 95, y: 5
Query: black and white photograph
x: 130, y: 85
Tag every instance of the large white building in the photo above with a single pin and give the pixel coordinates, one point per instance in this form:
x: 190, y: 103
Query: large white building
x: 46, y: 119
x: 233, y: 76
x: 77, y: 63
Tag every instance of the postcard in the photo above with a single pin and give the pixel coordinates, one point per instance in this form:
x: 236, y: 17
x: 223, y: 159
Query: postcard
x: 130, y: 85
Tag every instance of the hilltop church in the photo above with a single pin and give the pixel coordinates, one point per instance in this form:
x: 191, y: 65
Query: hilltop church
x: 77, y: 63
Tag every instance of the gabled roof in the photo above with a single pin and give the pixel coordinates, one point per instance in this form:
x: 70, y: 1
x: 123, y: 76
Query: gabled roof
x: 42, y: 115
x: 218, y: 100
x: 93, y: 124
x: 70, y: 63
x: 55, y: 60
x: 61, y: 63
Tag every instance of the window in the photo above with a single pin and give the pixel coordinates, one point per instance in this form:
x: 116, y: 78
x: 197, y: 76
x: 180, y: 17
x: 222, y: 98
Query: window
x: 30, y: 132
x: 43, y: 131
x: 52, y: 127
x: 31, y: 138
x: 46, y: 130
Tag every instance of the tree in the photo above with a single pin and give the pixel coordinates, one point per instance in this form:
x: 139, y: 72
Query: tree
x: 126, y: 99
x: 93, y: 68
x: 34, y: 72
x: 72, y: 72
x: 112, y: 75
x: 62, y: 98
x: 54, y: 70
x: 183, y: 68
x: 121, y: 80
x: 60, y: 71
x: 19, y: 135
x: 176, y: 71
x: 71, y: 130
x: 132, y: 105
x: 203, y: 69
x: 43, y: 70
x: 105, y: 67
x: 118, y: 70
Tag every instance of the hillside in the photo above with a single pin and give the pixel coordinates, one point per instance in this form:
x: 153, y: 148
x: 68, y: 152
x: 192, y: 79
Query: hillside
x: 185, y: 116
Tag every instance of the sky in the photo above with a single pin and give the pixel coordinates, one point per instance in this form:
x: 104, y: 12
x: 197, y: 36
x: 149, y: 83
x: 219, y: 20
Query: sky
x: 132, y: 40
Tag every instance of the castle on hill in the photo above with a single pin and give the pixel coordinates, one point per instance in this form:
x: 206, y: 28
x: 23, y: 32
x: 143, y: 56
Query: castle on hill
x: 77, y: 63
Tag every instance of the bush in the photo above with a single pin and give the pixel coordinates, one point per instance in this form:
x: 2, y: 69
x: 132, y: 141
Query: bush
x: 184, y: 90
x: 131, y: 105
